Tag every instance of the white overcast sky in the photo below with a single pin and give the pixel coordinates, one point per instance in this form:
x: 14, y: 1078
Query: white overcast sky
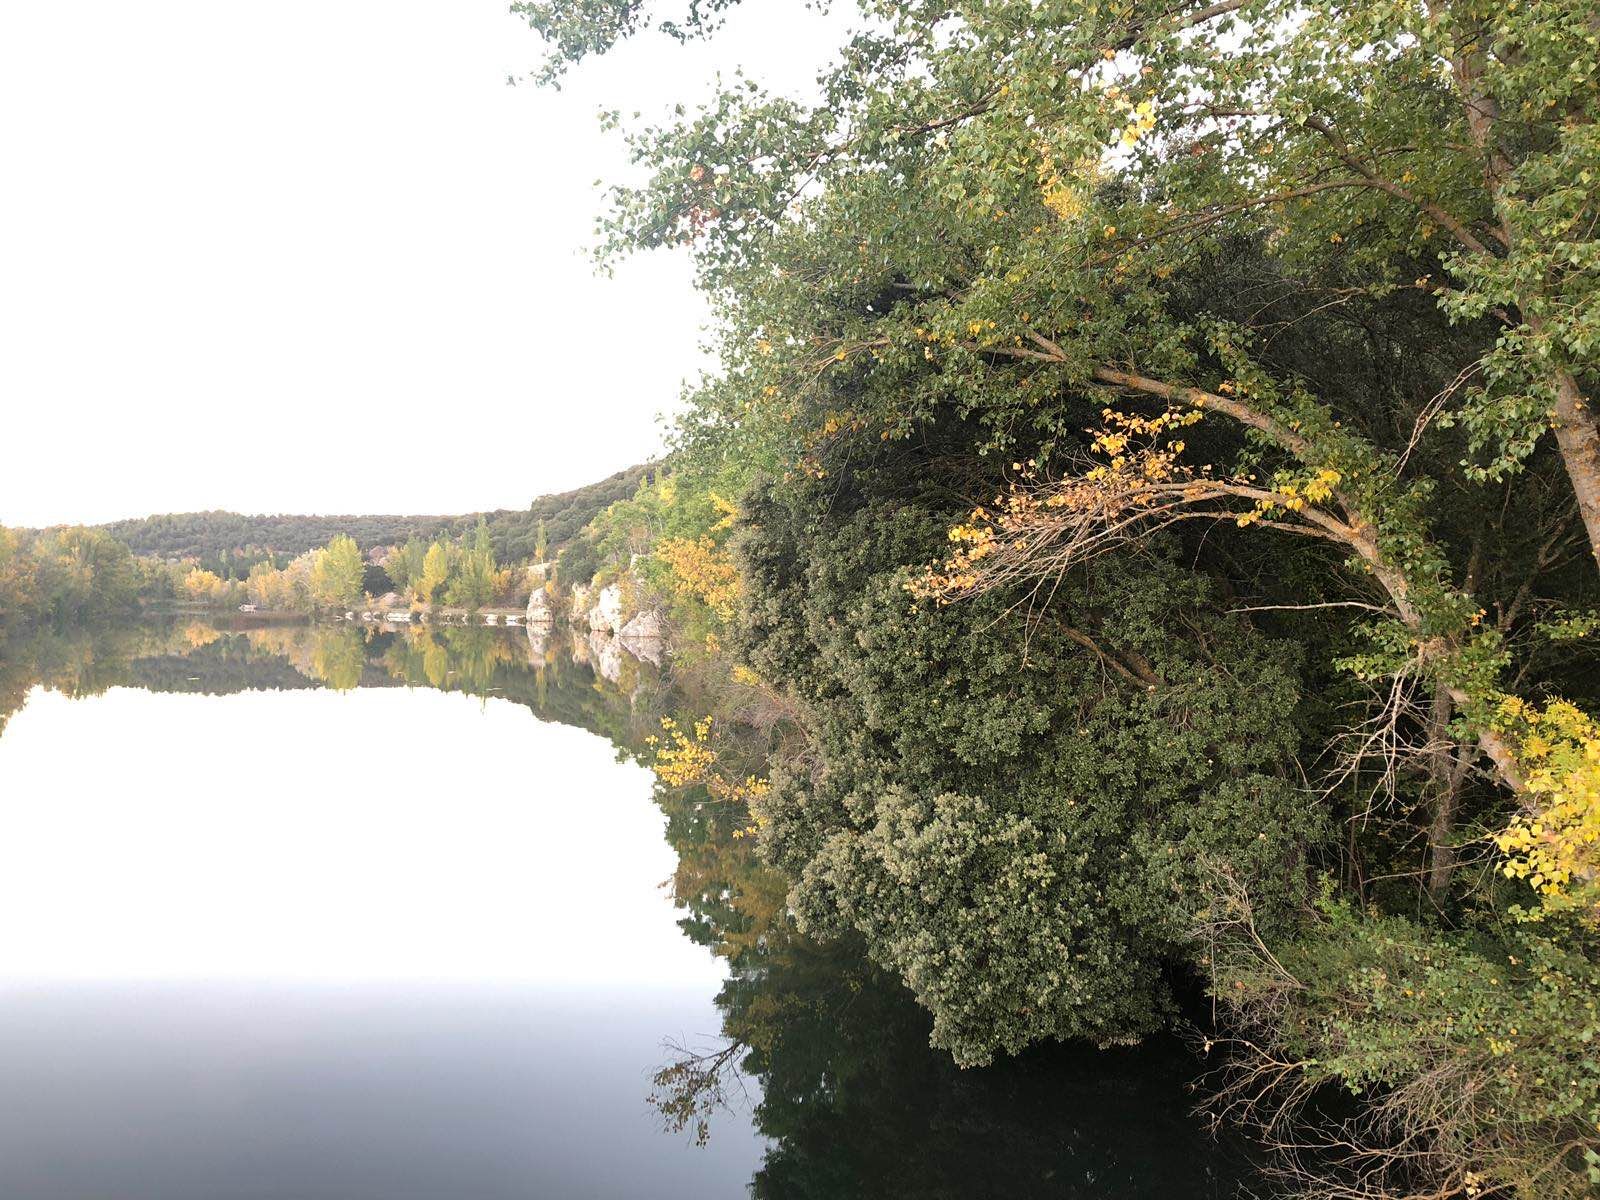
x: 317, y: 256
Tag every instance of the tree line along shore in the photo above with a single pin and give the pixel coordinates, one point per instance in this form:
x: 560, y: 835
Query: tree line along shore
x: 1142, y: 534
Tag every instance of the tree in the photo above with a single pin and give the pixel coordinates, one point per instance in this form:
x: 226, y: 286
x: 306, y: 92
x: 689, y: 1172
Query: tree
x: 578, y: 561
x: 206, y: 586
x: 1365, y: 134
x: 435, y: 571
x: 1299, y: 301
x: 296, y: 584
x: 16, y: 581
x: 473, y: 584
x: 267, y: 587
x: 405, y: 563
x: 1011, y: 831
x: 1026, y: 208
x: 1006, y: 123
x: 375, y: 581
x: 337, y: 572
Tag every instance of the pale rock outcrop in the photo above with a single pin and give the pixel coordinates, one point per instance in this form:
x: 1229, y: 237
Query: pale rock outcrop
x: 654, y: 653
x: 644, y: 637
x: 578, y: 611
x: 606, y: 615
x: 646, y: 627
x: 541, y: 613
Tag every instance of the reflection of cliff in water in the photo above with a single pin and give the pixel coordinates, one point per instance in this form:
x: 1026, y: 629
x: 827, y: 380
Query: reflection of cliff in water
x: 553, y: 675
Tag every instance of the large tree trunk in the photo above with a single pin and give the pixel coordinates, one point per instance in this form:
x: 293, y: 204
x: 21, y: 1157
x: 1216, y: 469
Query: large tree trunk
x: 1441, y: 847
x: 1578, y: 435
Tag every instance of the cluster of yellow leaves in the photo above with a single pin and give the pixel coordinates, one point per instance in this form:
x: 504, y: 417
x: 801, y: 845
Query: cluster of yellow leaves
x: 749, y: 788
x: 1556, y: 847
x: 1142, y: 119
x: 702, y: 569
x: 728, y: 512
x: 200, y: 584
x: 686, y: 757
x: 831, y: 425
x: 1141, y: 458
x: 1059, y: 197
x: 1122, y: 432
x: 683, y: 757
x: 957, y: 574
x: 1293, y: 494
x: 1064, y: 195
x: 749, y: 792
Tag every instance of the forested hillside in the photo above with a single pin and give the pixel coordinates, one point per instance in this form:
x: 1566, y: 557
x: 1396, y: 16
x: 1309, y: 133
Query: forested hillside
x: 210, y: 536
x: 297, y: 563
x: 215, y: 536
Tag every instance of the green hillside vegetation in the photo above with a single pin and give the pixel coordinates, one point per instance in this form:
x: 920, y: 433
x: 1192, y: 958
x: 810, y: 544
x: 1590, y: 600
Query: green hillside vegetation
x: 230, y: 543
x: 298, y: 564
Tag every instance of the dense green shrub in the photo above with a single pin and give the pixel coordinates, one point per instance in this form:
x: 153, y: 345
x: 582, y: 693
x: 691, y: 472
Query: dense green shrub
x: 1012, y: 820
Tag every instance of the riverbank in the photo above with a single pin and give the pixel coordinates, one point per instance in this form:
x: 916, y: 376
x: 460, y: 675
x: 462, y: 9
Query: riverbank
x: 246, y: 614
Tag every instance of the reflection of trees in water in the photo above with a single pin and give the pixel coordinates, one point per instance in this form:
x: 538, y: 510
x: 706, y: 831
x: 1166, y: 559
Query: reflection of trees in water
x: 198, y: 634
x: 855, y: 1101
x: 859, y: 1105
x: 417, y: 657
x: 78, y: 660
x: 197, y: 656
x: 334, y: 655
x: 338, y: 657
x: 836, y: 1053
x: 461, y: 658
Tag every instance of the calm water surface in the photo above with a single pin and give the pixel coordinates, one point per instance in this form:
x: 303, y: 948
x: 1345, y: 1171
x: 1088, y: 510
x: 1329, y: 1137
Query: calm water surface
x: 320, y: 914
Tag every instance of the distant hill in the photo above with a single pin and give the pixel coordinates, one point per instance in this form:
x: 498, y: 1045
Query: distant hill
x: 515, y: 532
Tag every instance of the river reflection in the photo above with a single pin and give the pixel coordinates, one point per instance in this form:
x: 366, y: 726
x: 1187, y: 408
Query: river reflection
x: 338, y: 938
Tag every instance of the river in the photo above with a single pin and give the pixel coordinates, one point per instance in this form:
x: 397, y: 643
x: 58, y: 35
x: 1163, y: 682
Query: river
x: 317, y: 913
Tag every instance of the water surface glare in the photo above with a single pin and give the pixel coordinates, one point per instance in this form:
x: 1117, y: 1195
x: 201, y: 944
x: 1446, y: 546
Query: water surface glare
x: 383, y: 943
x: 373, y: 1091
x: 323, y: 835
